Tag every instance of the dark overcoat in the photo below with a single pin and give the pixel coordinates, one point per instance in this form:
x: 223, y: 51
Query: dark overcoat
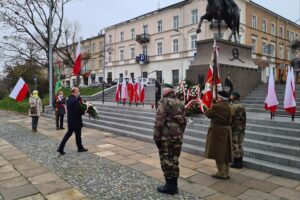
x: 60, y: 108
x: 219, y: 136
x: 74, y: 113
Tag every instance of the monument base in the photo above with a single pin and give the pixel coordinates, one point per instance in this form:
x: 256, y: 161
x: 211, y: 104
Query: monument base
x: 234, y: 59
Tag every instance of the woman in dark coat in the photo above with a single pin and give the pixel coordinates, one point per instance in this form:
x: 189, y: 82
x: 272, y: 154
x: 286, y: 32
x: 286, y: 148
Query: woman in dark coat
x: 60, y: 110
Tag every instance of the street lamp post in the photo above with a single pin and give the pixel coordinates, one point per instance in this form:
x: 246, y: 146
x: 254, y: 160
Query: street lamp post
x: 183, y: 50
x: 50, y: 54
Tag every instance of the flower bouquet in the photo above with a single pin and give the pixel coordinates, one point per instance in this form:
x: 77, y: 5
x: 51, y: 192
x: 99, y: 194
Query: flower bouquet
x: 87, y: 107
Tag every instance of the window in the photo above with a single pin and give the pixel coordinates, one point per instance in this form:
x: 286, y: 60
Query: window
x: 194, y: 16
x: 175, y: 45
x: 254, y: 21
x: 145, y: 50
x: 273, y: 47
x: 109, y: 56
x: 159, y: 48
x: 292, y: 36
x: 273, y: 29
x: 122, y: 36
x: 145, y: 74
x: 132, y: 76
x: 281, y: 52
x: 109, y: 39
x: 145, y: 29
x: 280, y: 32
x: 175, y: 22
x: 132, y: 52
x: 193, y: 41
x: 175, y: 76
x: 263, y: 45
x: 254, y: 45
x: 93, y: 48
x: 288, y: 53
x: 121, y: 54
x: 288, y: 34
x: 264, y: 25
x: 87, y: 49
x: 109, y: 77
x: 132, y: 33
x: 100, y: 79
x: 159, y: 26
x: 297, y: 36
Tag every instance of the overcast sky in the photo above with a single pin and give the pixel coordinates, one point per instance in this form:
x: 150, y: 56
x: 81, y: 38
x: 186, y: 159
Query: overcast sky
x: 94, y: 15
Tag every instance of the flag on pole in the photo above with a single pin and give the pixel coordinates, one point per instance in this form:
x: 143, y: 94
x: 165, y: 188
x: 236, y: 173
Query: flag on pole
x: 77, y: 63
x: 58, y: 84
x: 130, y: 90
x: 271, y: 101
x: 124, y: 90
x: 136, y: 92
x: 118, y: 89
x: 142, y: 94
x: 20, y: 90
x: 207, y: 97
x: 290, y: 94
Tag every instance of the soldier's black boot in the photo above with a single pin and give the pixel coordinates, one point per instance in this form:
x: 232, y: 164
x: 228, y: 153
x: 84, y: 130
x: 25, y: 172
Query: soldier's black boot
x: 237, y: 163
x: 170, y: 187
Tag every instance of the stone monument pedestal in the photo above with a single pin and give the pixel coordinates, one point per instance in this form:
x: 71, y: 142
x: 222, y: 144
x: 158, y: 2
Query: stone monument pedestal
x: 234, y: 59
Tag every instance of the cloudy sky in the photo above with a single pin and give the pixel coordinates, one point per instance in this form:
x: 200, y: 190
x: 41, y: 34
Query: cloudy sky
x: 94, y: 15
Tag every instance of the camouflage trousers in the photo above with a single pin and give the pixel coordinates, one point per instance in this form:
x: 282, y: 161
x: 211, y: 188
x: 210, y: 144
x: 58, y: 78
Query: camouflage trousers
x: 169, y: 152
x: 237, y: 142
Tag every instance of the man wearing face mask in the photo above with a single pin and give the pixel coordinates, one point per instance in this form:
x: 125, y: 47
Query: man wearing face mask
x: 74, y: 122
x: 60, y: 110
x: 170, y: 123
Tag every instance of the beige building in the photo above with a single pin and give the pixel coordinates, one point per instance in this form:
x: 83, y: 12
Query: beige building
x: 92, y: 69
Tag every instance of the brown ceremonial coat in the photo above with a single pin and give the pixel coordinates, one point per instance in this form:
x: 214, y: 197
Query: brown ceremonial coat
x: 219, y: 136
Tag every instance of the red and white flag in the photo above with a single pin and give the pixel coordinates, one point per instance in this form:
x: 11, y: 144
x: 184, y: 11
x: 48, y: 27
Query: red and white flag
x: 20, y: 90
x: 77, y: 63
x: 290, y: 93
x: 124, y: 90
x: 136, y: 93
x: 142, y: 93
x: 271, y: 101
x: 130, y: 90
x: 118, y: 89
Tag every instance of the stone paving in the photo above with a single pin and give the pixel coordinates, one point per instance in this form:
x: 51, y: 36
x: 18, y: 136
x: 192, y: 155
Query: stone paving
x: 122, y: 168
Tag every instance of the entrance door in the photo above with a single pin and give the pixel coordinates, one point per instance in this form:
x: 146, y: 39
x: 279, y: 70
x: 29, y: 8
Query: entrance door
x: 159, y: 76
x: 175, y: 78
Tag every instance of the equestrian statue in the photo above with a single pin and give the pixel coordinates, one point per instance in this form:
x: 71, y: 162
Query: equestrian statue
x: 226, y: 10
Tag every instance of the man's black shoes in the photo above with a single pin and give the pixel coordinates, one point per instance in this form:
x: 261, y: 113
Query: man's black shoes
x: 82, y: 150
x: 61, y: 152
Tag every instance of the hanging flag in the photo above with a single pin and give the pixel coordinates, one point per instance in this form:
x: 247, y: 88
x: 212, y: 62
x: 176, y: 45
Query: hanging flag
x: 271, y: 101
x: 207, y: 97
x: 142, y: 93
x: 20, y: 90
x: 118, y: 89
x: 130, y: 90
x: 290, y: 94
x: 77, y: 63
x: 136, y: 92
x: 124, y: 90
x: 58, y: 84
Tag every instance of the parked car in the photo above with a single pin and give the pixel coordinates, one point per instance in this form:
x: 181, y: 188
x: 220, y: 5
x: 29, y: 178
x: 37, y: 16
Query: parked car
x: 115, y: 81
x: 148, y: 81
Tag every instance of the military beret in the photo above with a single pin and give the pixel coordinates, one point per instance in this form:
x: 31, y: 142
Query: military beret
x: 167, y: 85
x: 223, y: 94
x: 236, y: 95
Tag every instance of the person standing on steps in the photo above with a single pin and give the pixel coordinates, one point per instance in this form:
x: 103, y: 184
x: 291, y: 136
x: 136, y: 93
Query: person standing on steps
x: 238, y: 130
x: 35, y: 110
x: 74, y: 122
x: 60, y: 110
x: 157, y: 93
x: 170, y: 123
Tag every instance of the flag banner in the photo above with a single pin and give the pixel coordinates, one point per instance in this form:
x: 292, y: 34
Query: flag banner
x: 130, y: 90
x: 20, y: 90
x: 77, y: 63
x: 118, y: 90
x: 136, y: 92
x: 124, y: 90
x: 290, y: 93
x: 142, y: 93
x: 271, y: 101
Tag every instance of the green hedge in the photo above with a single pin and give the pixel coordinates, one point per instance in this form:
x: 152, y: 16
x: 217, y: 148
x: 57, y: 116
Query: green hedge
x: 83, y: 91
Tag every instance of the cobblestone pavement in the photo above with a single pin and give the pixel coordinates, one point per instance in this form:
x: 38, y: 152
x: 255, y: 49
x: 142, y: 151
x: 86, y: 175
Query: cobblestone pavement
x: 123, y: 168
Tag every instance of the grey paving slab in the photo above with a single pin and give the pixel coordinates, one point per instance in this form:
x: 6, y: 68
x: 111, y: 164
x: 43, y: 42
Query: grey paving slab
x: 229, y: 188
x: 19, y: 192
x: 95, y: 176
x: 287, y: 193
x: 257, y: 195
x: 261, y: 185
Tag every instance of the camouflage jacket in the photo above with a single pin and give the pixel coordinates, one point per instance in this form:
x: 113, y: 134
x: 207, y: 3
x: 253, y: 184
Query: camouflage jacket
x: 170, y: 121
x: 239, y: 119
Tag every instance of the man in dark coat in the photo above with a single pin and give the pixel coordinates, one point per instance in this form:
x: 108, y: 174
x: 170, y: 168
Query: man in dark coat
x: 170, y: 123
x: 74, y: 122
x: 157, y: 93
x: 60, y: 110
x: 219, y: 137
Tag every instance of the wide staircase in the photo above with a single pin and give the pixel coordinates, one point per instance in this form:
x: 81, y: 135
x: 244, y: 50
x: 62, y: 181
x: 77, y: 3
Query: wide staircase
x: 270, y: 145
x: 254, y: 102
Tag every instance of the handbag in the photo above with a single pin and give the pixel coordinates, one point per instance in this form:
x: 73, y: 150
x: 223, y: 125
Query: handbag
x: 33, y: 110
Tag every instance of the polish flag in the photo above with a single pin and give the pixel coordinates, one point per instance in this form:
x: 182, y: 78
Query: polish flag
x: 20, y: 90
x: 124, y: 90
x: 77, y: 63
x: 290, y: 94
x: 136, y: 92
x: 130, y: 90
x: 271, y: 101
x: 142, y: 94
x: 118, y: 89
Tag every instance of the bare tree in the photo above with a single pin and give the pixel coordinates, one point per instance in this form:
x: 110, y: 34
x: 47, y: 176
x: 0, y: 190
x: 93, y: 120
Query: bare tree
x: 28, y: 28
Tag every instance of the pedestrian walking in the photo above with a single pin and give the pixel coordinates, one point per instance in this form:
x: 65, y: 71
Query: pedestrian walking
x: 36, y: 107
x: 60, y: 110
x: 238, y: 130
x: 170, y: 123
x: 219, y: 136
x: 74, y: 122
x: 157, y: 93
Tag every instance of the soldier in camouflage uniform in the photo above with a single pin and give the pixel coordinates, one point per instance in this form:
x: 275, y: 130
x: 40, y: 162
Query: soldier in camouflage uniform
x: 170, y: 123
x: 238, y: 130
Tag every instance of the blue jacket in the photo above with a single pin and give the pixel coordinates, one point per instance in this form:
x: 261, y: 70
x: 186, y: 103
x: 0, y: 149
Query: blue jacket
x: 74, y: 113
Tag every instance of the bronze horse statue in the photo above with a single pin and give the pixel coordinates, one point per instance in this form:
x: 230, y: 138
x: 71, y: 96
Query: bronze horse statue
x: 226, y: 10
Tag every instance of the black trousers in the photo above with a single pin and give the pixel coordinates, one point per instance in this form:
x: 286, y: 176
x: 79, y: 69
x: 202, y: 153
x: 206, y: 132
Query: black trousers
x: 60, y: 119
x: 68, y: 135
x: 34, y: 122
